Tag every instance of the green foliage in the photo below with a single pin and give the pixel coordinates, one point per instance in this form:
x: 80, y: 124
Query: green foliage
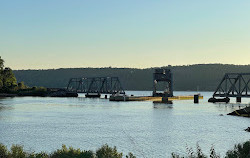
x: 21, y: 85
x: 1, y: 63
x: 105, y: 151
x: 17, y: 152
x: 240, y: 151
x: 213, y: 153
x: 3, y: 151
x: 130, y: 155
x: 197, y: 154
x: 41, y: 89
x: 108, y: 152
x: 22, y: 90
x: 7, y: 78
x: 38, y: 155
x: 34, y: 91
x: 71, y: 152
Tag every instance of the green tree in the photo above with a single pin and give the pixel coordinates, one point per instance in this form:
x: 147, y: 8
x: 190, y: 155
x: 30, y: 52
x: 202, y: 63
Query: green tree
x: 21, y: 85
x: 17, y: 152
x: 130, y: 155
x: 1, y: 70
x: 1, y: 63
x: 71, y: 152
x: 3, y: 151
x: 9, y: 79
x: 106, y: 151
x: 240, y: 151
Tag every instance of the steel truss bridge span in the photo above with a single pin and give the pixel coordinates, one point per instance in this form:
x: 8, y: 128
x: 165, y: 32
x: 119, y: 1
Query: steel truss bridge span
x: 99, y: 85
x: 234, y: 85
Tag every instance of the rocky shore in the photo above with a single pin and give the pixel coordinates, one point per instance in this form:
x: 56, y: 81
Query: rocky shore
x: 242, y: 112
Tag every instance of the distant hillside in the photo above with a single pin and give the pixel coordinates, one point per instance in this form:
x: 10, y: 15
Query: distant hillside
x: 204, y: 76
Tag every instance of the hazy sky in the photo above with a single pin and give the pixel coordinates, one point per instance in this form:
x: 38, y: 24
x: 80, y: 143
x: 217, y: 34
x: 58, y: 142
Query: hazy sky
x: 41, y: 34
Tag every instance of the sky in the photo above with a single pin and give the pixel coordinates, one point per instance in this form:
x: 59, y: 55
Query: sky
x: 47, y: 34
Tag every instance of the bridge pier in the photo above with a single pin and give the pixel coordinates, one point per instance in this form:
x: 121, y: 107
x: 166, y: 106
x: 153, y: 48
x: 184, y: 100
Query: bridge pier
x: 238, y: 99
x: 196, y: 99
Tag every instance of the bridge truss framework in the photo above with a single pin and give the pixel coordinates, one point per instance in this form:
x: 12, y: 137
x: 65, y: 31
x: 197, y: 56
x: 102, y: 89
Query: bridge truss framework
x: 99, y: 85
x: 234, y: 85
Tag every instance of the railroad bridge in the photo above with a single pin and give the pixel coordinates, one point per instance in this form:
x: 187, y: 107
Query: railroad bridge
x: 95, y: 85
x: 233, y: 85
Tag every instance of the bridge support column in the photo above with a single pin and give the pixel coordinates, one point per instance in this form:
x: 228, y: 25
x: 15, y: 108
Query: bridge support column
x: 164, y: 99
x: 238, y: 99
x: 196, y: 99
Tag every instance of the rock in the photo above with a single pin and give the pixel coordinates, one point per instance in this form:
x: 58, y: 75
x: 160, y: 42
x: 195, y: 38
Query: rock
x: 248, y: 129
x: 242, y: 112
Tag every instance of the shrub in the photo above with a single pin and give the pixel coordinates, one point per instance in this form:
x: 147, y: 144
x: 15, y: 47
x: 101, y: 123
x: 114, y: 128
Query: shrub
x: 197, y: 154
x: 71, y: 152
x: 17, y: 152
x: 38, y: 155
x: 3, y: 151
x: 108, y: 152
x: 130, y: 155
x: 240, y: 151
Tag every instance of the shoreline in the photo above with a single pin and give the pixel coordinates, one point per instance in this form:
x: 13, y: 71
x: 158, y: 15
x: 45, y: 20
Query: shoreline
x: 8, y: 95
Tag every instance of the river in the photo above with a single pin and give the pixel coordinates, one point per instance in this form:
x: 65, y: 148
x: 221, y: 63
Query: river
x: 145, y: 129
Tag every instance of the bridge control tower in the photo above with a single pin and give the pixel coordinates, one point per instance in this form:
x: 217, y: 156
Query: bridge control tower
x: 165, y: 76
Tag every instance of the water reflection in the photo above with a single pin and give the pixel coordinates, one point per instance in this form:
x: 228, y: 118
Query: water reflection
x: 231, y: 106
x: 162, y: 106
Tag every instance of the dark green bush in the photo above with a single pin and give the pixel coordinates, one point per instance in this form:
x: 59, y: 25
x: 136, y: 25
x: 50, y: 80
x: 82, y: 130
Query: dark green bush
x: 71, y: 152
x: 3, y: 151
x: 38, y: 155
x: 130, y: 155
x: 16, y: 151
x: 108, y: 152
x: 240, y: 151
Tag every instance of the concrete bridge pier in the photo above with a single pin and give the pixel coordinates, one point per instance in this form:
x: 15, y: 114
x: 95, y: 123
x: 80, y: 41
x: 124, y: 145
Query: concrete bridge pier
x: 238, y: 99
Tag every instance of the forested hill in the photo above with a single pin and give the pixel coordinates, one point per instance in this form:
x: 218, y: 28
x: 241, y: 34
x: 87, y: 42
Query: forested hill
x: 204, y: 76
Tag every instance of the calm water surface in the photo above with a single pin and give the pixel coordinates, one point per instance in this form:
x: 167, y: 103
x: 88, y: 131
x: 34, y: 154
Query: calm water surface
x: 145, y: 129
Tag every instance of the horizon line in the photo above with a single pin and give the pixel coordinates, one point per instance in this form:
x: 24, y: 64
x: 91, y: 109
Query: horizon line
x: 132, y: 67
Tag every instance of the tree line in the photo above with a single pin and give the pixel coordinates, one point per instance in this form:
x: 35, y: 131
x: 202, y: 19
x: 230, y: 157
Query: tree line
x: 202, y: 77
x: 241, y: 150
